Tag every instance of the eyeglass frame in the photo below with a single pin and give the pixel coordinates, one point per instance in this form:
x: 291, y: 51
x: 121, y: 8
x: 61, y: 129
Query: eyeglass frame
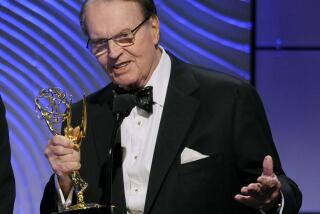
x: 106, y: 40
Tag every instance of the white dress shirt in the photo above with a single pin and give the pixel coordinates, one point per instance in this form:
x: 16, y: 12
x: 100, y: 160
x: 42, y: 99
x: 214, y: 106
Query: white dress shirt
x: 138, y: 138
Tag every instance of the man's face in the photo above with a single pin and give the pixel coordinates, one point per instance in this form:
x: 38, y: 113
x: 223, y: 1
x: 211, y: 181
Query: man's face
x: 130, y: 66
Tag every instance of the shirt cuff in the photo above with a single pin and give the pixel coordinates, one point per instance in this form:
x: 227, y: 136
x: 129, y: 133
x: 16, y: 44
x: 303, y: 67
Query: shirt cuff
x: 62, y: 202
x: 282, y: 204
x: 280, y: 208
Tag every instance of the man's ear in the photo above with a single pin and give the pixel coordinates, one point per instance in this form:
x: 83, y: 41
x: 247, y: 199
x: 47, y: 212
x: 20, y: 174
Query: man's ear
x: 155, y: 27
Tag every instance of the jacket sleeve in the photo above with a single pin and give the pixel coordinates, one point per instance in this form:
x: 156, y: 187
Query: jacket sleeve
x: 49, y: 202
x: 253, y: 141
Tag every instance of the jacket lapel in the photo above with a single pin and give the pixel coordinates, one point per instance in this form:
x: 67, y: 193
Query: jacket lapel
x: 102, y: 124
x: 178, y: 113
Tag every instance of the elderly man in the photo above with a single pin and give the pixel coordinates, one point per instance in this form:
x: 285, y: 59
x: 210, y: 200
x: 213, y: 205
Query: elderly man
x: 7, y: 184
x: 204, y: 145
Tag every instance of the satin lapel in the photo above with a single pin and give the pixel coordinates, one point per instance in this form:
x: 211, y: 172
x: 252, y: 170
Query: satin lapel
x: 102, y: 124
x: 179, y: 110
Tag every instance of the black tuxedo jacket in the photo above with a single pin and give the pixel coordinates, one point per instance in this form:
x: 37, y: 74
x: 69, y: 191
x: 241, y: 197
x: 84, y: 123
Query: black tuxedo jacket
x: 7, y: 184
x: 209, y: 112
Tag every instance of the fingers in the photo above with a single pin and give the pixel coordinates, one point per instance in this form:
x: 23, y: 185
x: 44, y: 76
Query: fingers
x: 269, y: 180
x: 253, y: 189
x: 59, y: 140
x: 59, y: 150
x: 247, y: 200
x: 63, y: 165
x: 269, y: 184
x: 267, y: 166
x: 65, y: 168
x: 257, y: 203
x: 263, y: 193
x: 58, y: 145
x: 256, y: 196
x: 61, y: 155
x: 74, y: 157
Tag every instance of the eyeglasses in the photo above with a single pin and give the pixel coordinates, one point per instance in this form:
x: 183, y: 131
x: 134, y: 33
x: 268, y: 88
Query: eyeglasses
x: 123, y: 39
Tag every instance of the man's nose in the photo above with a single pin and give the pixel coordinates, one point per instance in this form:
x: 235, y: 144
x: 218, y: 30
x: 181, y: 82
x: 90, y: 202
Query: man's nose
x: 114, y: 49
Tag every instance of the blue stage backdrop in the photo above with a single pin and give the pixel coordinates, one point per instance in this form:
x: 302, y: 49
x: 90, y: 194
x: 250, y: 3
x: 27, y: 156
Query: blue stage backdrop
x: 42, y: 45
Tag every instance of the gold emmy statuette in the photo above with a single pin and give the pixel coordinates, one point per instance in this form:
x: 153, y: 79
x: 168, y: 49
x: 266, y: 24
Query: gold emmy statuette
x: 54, y: 107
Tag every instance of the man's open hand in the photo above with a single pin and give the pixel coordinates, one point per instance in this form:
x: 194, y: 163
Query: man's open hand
x: 265, y: 193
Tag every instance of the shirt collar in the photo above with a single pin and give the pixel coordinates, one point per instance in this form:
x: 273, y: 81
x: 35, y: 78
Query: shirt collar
x: 160, y: 78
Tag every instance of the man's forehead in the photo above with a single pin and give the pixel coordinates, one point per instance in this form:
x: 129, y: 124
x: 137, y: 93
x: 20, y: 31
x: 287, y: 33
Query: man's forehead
x: 106, y: 18
x: 114, y: 10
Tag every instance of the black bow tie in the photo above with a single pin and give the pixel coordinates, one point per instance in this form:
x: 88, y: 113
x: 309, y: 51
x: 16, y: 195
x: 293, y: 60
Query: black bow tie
x: 125, y: 100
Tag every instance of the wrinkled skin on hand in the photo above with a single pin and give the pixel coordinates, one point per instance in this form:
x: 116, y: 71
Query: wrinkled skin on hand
x: 265, y: 193
x: 63, y: 158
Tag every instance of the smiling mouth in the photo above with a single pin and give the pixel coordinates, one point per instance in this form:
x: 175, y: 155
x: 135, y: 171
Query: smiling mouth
x: 120, y: 65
